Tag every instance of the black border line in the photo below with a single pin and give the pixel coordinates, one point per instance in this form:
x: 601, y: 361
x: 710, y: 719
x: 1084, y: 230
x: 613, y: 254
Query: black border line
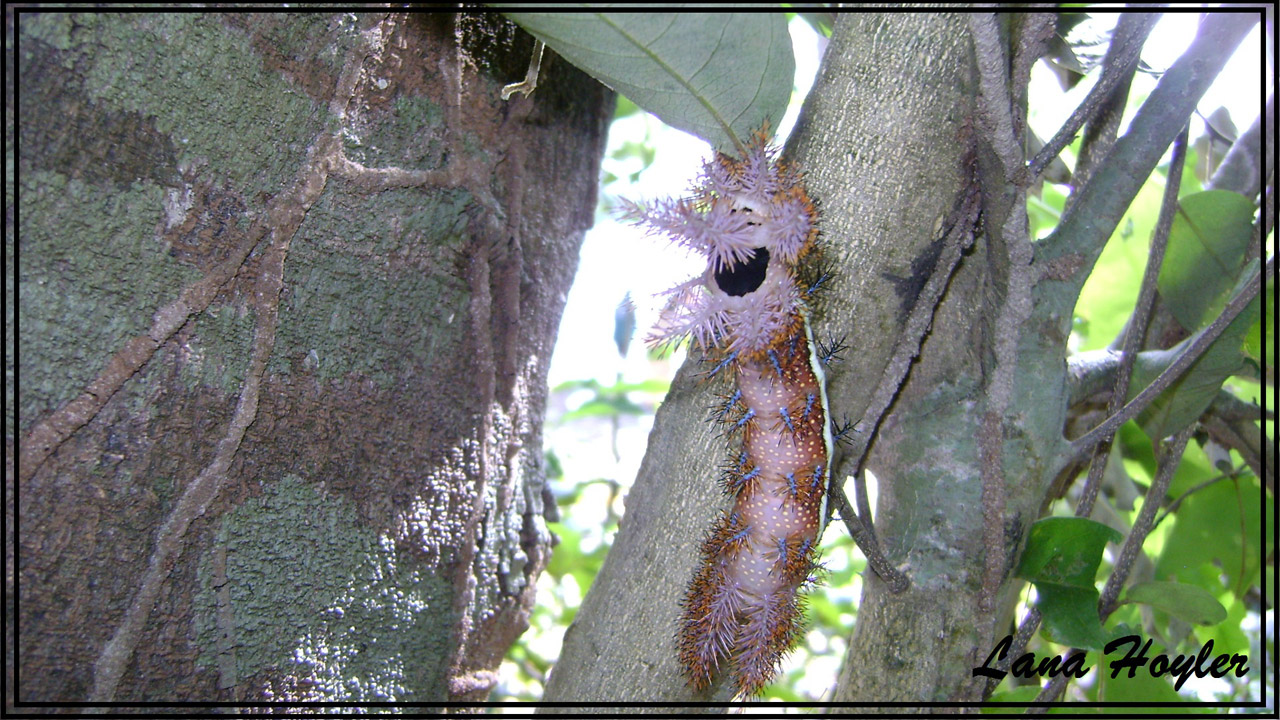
x: 18, y: 10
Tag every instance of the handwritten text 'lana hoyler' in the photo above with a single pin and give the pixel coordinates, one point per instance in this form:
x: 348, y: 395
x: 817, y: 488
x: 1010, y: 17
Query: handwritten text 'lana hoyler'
x: 1184, y: 666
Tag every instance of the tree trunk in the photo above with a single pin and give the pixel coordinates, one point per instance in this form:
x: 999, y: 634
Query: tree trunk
x: 288, y: 288
x: 881, y: 141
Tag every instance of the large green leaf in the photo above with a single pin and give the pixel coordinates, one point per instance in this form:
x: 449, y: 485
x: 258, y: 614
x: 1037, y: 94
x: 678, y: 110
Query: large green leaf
x: 1188, y: 602
x: 1070, y: 615
x: 1211, y: 233
x: 716, y: 75
x: 1062, y: 558
x: 1188, y: 397
x: 1219, y: 528
x: 1065, y: 551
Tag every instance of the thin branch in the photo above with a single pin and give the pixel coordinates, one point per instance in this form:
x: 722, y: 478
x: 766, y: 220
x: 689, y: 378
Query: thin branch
x: 994, y: 103
x: 1232, y: 409
x: 1201, y: 344
x: 1246, y: 166
x: 1245, y: 437
x: 1229, y: 420
x: 1137, y: 332
x: 1121, y: 61
x: 1100, y: 131
x: 957, y: 237
x: 876, y: 559
x: 1035, y: 29
x: 1177, y: 503
x: 1092, y: 218
x: 1017, y: 648
x: 995, y: 110
x: 1169, y: 461
x: 1170, y: 458
x: 1092, y: 373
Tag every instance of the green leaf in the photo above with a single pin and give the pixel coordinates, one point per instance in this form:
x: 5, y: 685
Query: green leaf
x: 1062, y: 558
x: 716, y: 75
x: 1142, y: 688
x: 1065, y: 551
x: 1187, y: 602
x: 1188, y: 397
x: 1106, y: 299
x: 1207, y: 244
x: 1070, y: 615
x: 1219, y: 528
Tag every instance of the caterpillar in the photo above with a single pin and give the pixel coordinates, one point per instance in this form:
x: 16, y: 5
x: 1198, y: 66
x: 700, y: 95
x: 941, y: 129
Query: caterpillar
x: 748, y: 313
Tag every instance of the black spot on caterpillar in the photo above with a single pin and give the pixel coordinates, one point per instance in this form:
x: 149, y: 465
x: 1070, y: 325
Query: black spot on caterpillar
x: 748, y: 313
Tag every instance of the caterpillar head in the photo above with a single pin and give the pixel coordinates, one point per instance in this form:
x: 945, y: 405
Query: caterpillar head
x: 751, y: 219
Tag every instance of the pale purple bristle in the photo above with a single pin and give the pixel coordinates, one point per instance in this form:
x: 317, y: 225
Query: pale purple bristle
x: 725, y: 237
x: 716, y: 180
x: 759, y: 177
x: 790, y: 228
x: 738, y: 207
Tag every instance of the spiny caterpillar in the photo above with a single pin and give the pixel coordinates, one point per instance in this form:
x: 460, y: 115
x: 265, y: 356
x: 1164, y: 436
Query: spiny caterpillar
x: 748, y: 312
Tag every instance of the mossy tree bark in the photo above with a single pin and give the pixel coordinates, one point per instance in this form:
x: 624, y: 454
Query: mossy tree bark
x: 287, y: 291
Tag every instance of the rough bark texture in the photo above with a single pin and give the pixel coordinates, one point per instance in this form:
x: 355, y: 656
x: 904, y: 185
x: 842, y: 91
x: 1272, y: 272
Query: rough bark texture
x: 880, y: 141
x: 288, y: 287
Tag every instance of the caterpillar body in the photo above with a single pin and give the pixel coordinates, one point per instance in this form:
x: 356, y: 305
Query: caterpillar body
x: 749, y: 314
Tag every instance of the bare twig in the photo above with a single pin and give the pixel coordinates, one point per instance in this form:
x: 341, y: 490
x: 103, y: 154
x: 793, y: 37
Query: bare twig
x: 1245, y: 437
x: 1122, y: 59
x: 995, y: 111
x: 1091, y: 374
x: 994, y: 104
x: 1100, y: 131
x: 1035, y: 29
x: 1198, y: 347
x: 1169, y: 461
x: 1100, y: 205
x: 1137, y: 328
x: 1246, y: 166
x: 1177, y: 503
x: 957, y: 237
x: 1170, y: 458
x: 880, y: 565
